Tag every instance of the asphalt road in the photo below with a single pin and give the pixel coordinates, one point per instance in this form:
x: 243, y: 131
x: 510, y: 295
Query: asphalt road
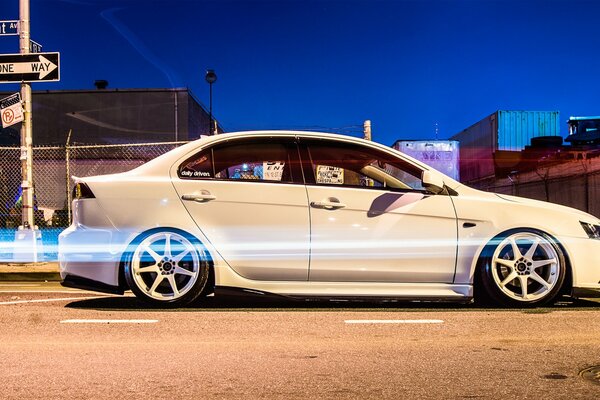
x: 61, y: 343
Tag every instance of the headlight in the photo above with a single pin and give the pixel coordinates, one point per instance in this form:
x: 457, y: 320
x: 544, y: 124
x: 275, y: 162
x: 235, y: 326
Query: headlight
x: 593, y: 231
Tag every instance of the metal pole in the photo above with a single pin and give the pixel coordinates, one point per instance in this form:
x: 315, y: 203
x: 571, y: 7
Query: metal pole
x: 210, y: 123
x: 68, y: 169
x: 176, y: 117
x: 26, y: 127
x: 367, y: 130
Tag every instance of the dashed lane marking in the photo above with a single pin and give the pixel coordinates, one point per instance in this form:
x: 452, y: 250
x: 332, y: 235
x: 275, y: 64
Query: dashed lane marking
x: 394, y: 321
x: 109, y: 321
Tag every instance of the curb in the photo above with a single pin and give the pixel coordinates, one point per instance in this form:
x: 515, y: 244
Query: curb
x: 29, y: 276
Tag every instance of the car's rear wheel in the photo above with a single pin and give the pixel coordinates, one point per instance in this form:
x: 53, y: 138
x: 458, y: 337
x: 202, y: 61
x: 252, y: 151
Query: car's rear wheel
x: 166, y: 268
x: 522, y: 268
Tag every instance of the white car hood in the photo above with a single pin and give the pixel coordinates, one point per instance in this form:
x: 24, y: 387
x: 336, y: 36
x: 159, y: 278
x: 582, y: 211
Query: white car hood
x: 583, y: 216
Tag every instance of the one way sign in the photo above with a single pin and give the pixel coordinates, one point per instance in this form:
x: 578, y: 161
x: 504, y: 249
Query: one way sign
x: 38, y: 67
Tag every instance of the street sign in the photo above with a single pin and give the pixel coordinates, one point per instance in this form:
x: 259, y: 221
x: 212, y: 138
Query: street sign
x: 8, y: 28
x: 34, y: 47
x: 11, y: 110
x: 39, y: 67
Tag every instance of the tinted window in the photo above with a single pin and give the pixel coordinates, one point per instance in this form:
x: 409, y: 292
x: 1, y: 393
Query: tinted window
x: 357, y: 166
x: 246, y: 161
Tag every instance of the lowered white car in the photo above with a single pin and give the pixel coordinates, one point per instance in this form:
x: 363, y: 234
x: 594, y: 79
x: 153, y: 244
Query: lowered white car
x: 314, y: 215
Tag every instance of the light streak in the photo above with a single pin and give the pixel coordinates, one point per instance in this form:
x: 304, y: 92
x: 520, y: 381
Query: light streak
x: 136, y: 43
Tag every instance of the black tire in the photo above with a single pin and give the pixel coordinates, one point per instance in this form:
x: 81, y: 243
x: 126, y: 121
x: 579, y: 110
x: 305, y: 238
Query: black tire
x: 167, y: 268
x: 521, y: 268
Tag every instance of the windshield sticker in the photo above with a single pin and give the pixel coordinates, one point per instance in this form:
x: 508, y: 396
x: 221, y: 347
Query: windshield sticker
x: 330, y: 175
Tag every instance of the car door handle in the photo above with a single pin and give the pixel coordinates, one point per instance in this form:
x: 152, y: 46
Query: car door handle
x: 199, y: 198
x: 332, y: 204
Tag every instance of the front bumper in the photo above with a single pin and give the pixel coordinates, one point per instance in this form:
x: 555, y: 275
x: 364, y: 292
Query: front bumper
x: 584, y: 257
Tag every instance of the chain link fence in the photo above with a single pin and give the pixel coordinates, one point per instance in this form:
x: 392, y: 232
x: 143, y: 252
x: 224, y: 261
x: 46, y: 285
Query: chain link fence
x: 53, y: 169
x: 574, y: 185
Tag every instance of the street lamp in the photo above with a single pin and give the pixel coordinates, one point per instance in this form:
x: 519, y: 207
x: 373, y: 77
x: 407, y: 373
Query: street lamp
x: 211, y: 78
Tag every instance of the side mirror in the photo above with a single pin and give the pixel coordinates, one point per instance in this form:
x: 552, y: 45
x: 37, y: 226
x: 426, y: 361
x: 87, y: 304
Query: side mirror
x: 433, y: 182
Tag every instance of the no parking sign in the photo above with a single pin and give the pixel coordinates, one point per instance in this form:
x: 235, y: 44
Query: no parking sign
x: 11, y: 110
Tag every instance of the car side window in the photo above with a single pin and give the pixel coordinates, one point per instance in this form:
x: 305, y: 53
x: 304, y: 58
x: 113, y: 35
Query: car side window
x: 356, y: 166
x: 247, y: 161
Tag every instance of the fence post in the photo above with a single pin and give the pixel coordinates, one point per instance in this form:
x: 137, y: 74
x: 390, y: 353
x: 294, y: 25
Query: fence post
x: 68, y: 169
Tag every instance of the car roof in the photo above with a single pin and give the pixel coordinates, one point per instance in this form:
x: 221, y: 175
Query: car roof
x: 176, y: 154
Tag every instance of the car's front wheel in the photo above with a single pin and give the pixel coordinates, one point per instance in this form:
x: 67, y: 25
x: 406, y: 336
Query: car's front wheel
x: 522, y: 268
x: 166, y: 268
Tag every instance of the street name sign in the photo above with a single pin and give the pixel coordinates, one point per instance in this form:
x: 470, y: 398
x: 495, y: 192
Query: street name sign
x: 8, y: 28
x: 11, y: 110
x: 34, y: 47
x: 38, y: 67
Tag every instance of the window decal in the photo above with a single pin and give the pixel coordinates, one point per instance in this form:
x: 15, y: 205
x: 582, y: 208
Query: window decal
x: 200, y: 167
x: 273, y: 170
x: 330, y: 175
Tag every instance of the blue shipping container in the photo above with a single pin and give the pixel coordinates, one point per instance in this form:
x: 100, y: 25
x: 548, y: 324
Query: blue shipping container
x: 502, y: 130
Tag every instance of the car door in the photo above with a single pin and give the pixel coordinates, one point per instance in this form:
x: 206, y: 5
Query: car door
x: 249, y: 199
x: 372, y: 220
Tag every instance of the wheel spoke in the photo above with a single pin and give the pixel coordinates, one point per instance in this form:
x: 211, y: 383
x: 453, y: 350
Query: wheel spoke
x: 523, y: 280
x: 511, y: 277
x: 516, y: 252
x: 533, y: 248
x: 150, y: 268
x: 157, y: 281
x: 543, y: 263
x: 540, y: 280
x: 167, y: 251
x: 183, y: 271
x: 152, y: 253
x: 506, y: 263
x: 181, y: 255
x: 171, y: 279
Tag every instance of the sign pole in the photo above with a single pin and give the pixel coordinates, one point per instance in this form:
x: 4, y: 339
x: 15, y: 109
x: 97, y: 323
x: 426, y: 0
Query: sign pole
x: 26, y: 127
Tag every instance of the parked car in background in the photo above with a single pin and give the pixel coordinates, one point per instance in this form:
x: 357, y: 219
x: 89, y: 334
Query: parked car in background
x: 315, y: 215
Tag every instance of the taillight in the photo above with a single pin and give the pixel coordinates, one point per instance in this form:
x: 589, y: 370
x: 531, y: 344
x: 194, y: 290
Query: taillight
x: 82, y: 191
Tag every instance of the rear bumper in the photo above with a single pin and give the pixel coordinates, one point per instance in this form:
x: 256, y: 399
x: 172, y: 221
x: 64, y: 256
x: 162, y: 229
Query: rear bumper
x: 78, y: 282
x: 91, y: 254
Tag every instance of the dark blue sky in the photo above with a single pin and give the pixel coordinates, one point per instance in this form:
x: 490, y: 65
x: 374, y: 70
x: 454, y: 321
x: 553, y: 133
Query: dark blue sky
x: 328, y: 65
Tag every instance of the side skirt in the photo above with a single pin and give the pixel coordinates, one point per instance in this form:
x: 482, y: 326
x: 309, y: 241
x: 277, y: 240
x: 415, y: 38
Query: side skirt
x: 230, y: 291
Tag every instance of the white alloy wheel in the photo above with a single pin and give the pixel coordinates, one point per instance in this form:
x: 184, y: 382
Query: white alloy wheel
x: 166, y: 267
x: 526, y: 268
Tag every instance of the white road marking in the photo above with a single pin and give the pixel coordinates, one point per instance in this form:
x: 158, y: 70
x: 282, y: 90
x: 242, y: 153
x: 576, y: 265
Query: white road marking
x: 394, y: 321
x: 5, y: 303
x: 109, y: 321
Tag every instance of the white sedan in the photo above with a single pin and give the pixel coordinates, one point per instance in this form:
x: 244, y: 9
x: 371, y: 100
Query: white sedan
x: 313, y: 215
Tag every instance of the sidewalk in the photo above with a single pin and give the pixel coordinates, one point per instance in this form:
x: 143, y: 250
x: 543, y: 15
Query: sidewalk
x: 42, y: 271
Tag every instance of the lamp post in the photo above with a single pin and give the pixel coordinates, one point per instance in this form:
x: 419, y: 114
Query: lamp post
x: 211, y: 78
